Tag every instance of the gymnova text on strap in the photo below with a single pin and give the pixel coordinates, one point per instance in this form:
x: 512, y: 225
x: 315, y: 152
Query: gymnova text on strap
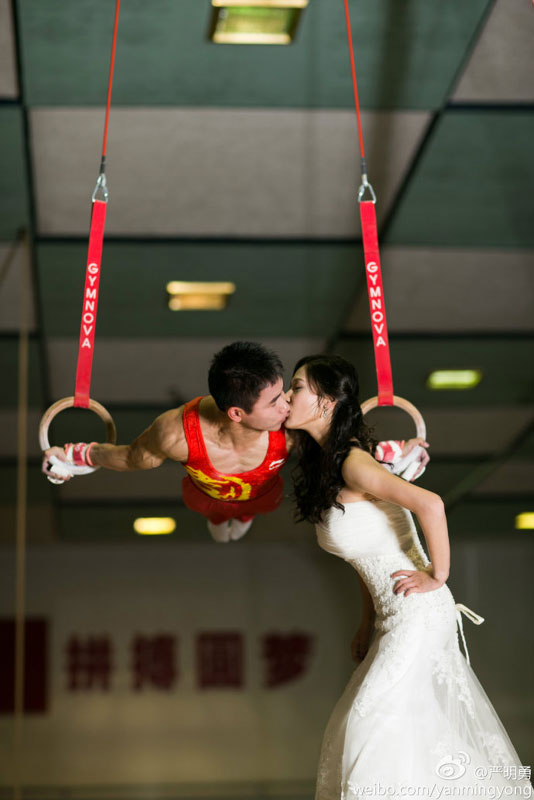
x: 89, y: 302
x: 375, y: 298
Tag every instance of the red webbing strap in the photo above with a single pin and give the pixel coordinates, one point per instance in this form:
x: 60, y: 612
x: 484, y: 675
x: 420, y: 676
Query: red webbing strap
x: 90, y: 306
x: 371, y: 252
x: 82, y: 391
x: 377, y: 307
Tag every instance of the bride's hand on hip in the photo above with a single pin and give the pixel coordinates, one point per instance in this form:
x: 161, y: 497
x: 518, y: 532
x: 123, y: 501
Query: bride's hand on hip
x: 414, y: 581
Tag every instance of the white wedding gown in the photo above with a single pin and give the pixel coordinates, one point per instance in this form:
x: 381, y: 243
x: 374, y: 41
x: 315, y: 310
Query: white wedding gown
x: 413, y: 721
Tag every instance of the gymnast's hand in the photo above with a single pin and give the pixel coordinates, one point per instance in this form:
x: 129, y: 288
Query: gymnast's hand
x: 48, y: 467
x: 424, y: 458
x: 415, y: 581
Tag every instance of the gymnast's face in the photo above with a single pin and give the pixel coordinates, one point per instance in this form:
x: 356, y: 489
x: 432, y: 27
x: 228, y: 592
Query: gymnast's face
x: 268, y: 412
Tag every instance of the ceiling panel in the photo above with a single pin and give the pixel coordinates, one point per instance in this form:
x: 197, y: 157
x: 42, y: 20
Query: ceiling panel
x: 515, y: 477
x: 13, y: 197
x: 283, y: 289
x: 9, y: 358
x: 436, y: 289
x: 8, y: 67
x: 156, y: 371
x: 454, y: 433
x: 407, y: 55
x: 217, y: 172
x: 506, y: 365
x: 14, y: 265
x: 8, y: 433
x: 487, y: 518
x: 41, y: 527
x: 473, y: 186
x: 502, y: 64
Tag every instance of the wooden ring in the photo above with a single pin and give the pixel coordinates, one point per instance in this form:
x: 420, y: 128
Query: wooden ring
x: 68, y: 402
x: 400, y: 402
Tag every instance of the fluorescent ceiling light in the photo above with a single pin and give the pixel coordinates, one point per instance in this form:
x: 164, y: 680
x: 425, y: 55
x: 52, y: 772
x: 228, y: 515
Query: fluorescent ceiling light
x: 454, y: 379
x: 153, y: 526
x: 255, y: 21
x: 525, y: 521
x: 199, y: 295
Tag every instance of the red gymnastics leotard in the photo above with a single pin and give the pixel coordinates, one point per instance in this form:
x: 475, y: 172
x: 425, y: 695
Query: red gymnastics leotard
x: 221, y: 497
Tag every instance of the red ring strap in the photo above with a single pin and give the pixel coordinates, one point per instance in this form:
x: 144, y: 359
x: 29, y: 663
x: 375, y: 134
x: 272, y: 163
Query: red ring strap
x: 90, y: 306
x: 371, y: 251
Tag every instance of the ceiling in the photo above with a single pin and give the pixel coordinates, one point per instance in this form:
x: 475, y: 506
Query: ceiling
x: 240, y: 163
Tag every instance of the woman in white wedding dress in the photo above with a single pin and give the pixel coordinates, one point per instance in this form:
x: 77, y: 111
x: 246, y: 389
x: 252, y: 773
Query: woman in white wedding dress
x: 413, y: 719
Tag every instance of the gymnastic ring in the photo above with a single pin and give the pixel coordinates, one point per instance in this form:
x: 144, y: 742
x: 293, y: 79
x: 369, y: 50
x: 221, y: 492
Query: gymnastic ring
x: 399, y: 402
x: 68, y: 402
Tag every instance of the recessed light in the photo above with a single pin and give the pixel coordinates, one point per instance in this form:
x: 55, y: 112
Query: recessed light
x: 525, y: 521
x: 154, y: 526
x: 199, y: 295
x: 454, y: 379
x: 255, y: 21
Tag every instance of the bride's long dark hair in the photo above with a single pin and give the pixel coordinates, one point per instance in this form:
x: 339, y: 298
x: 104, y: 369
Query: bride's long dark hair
x: 317, y: 476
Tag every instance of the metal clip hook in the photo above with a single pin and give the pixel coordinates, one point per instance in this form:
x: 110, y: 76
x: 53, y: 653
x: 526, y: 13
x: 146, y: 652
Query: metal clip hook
x: 101, y: 184
x: 363, y: 187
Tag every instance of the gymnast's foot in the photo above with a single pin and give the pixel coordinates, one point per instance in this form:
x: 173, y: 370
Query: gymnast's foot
x: 221, y: 533
x: 238, y: 528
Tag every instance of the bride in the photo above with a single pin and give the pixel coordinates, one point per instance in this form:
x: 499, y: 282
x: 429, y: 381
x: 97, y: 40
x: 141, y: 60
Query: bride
x: 414, y: 719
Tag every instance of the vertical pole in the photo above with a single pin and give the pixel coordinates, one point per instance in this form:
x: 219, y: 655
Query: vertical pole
x: 22, y: 472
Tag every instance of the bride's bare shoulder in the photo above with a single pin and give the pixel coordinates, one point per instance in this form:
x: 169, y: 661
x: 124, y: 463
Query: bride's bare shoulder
x: 355, y: 470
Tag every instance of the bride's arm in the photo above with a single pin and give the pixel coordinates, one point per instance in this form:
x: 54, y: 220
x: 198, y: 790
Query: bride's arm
x: 361, y: 473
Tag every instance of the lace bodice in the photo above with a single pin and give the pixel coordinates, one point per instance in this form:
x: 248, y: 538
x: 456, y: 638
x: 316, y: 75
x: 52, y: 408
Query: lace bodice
x: 378, y: 538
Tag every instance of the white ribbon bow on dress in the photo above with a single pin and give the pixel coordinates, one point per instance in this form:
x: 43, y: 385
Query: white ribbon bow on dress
x: 470, y: 614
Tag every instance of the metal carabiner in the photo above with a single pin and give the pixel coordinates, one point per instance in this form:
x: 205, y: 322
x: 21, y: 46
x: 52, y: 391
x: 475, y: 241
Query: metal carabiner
x: 101, y: 184
x: 363, y: 187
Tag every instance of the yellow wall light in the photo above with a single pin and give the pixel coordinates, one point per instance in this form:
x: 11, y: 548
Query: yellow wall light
x: 154, y: 526
x: 454, y: 379
x: 199, y: 295
x: 525, y: 521
x: 255, y: 21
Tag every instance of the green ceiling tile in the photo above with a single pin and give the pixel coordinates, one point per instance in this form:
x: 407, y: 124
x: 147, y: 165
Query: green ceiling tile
x: 407, y: 54
x: 38, y: 487
x: 505, y: 380
x: 283, y: 289
x: 473, y: 185
x: 14, y: 195
x: 9, y: 358
x: 484, y: 517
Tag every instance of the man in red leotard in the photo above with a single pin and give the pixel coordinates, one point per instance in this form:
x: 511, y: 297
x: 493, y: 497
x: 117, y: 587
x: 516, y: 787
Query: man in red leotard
x: 231, y: 442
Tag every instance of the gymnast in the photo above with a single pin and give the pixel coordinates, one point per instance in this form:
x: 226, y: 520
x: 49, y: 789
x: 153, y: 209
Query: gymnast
x: 232, y: 443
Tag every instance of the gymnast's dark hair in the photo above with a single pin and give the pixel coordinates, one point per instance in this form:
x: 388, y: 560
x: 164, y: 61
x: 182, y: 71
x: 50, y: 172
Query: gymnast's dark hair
x: 239, y: 372
x: 317, y: 476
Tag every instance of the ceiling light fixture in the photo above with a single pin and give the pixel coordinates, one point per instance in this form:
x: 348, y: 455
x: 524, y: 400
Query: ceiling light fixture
x: 525, y: 521
x: 255, y: 21
x: 154, y: 526
x: 199, y: 295
x: 454, y: 379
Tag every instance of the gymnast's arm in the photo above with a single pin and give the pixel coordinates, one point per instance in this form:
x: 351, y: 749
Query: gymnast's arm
x: 165, y: 438
x: 363, y: 474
